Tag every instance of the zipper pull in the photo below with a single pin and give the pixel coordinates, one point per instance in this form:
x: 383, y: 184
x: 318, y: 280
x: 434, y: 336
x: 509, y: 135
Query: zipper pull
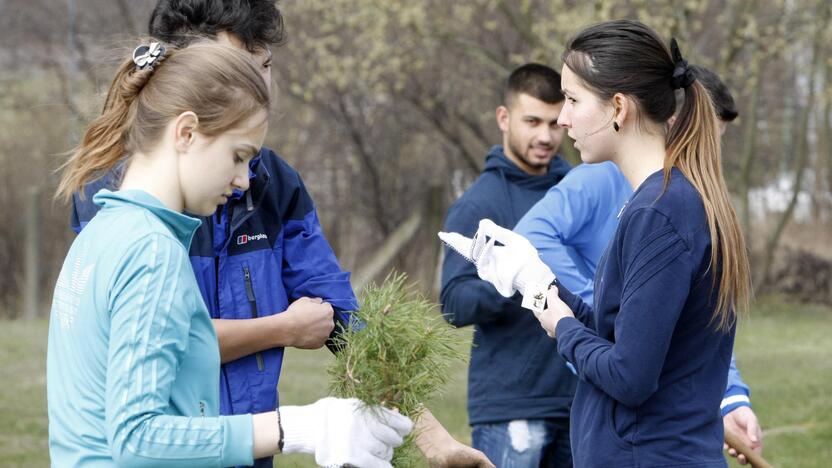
x: 622, y: 210
x: 249, y: 203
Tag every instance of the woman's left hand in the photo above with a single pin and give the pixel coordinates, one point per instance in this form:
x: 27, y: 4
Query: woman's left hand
x: 555, y: 310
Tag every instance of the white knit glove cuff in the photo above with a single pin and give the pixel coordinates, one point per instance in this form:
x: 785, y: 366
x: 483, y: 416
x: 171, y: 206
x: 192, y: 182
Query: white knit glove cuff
x: 534, y: 294
x: 299, y: 428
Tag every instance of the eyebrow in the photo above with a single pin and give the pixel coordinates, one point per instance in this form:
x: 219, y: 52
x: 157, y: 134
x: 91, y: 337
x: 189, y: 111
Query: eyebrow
x: 251, y: 148
x: 535, y: 117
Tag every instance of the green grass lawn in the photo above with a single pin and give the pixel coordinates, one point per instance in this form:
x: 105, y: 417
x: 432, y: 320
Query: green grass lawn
x: 784, y: 352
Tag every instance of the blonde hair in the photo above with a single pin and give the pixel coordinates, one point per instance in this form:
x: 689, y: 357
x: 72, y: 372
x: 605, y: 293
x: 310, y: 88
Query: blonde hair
x: 217, y: 82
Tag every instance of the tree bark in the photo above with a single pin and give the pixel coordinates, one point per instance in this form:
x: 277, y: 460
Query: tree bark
x: 750, y: 142
x: 802, y: 142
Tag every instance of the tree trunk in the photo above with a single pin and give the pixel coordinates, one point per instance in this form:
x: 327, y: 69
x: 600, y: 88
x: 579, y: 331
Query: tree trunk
x: 388, y: 250
x: 802, y: 155
x: 750, y: 143
x: 31, y: 255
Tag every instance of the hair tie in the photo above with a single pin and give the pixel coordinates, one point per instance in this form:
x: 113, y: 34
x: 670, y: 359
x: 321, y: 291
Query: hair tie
x: 144, y: 56
x: 683, y: 75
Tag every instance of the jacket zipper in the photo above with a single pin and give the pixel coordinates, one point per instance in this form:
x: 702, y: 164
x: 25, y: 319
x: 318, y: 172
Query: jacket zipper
x: 253, y: 303
x: 201, y: 408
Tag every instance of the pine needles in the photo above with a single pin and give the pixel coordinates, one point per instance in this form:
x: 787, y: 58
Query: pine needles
x: 399, y: 359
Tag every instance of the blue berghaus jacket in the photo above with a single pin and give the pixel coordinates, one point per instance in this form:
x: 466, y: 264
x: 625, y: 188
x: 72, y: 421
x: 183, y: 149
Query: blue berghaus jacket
x: 571, y: 227
x: 652, y: 368
x: 256, y: 255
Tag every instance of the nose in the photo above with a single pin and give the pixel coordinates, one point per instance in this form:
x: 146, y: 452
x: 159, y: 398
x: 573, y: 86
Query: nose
x: 240, y: 180
x: 563, y: 120
x: 545, y: 135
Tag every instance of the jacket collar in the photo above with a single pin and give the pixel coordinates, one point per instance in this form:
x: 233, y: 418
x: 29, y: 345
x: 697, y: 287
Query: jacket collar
x: 181, y: 226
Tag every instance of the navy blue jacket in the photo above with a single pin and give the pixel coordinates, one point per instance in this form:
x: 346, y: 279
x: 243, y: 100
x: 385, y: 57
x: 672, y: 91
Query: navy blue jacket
x: 263, y: 250
x: 515, y: 372
x: 652, y: 370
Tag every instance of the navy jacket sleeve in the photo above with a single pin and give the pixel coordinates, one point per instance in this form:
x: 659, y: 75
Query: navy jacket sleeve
x: 310, y: 267
x: 657, y: 273
x: 465, y: 298
x: 83, y: 209
x: 582, y: 310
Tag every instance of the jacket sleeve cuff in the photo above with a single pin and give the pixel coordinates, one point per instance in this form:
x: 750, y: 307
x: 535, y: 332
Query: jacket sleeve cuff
x: 735, y: 397
x: 564, y: 328
x: 238, y: 440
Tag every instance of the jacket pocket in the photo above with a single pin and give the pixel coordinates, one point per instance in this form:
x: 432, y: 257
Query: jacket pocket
x: 252, y: 302
x: 622, y: 424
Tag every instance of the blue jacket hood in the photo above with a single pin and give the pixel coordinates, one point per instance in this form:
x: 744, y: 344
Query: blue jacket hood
x: 497, y: 161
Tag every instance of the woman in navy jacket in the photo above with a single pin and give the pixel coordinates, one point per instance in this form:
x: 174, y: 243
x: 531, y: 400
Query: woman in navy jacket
x: 652, y: 355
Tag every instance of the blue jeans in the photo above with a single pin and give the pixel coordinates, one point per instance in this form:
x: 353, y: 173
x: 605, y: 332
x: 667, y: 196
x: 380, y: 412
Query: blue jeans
x: 525, y: 443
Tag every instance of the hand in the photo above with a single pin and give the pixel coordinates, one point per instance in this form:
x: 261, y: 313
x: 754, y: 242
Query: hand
x: 341, y: 431
x: 442, y: 450
x: 514, y: 266
x: 308, y: 323
x: 454, y: 454
x: 556, y: 309
x: 742, y: 422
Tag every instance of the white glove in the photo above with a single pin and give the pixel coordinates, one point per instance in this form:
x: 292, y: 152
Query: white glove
x: 343, y: 431
x: 514, y: 266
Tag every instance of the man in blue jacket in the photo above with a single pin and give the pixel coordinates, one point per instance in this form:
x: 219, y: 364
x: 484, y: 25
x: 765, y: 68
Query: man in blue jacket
x: 519, y: 389
x: 573, y: 223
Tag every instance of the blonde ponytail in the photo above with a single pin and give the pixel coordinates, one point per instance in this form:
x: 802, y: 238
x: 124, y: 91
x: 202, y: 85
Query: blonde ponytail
x: 103, y: 143
x: 219, y: 83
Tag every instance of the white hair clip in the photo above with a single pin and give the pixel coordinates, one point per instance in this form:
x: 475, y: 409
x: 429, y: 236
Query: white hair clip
x: 144, y: 56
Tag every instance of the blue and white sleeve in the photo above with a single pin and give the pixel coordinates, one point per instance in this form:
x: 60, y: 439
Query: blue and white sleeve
x: 737, y: 392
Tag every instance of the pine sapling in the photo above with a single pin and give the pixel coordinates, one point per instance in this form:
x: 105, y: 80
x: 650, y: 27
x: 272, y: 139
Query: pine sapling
x: 398, y: 355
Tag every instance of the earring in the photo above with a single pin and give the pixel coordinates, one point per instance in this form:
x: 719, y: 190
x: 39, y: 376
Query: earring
x: 615, y: 126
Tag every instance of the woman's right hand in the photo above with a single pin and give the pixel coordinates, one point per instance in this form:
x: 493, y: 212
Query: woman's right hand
x: 344, y: 431
x: 555, y: 310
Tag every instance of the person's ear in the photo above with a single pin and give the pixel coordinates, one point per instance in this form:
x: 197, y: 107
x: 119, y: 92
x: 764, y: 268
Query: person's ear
x: 502, y: 118
x: 184, y: 127
x: 622, y: 108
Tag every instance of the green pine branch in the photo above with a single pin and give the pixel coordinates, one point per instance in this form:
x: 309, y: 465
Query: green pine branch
x: 399, y: 359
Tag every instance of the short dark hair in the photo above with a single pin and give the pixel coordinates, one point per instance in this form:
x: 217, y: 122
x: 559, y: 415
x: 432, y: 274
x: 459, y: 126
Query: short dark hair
x: 720, y: 96
x: 536, y: 80
x: 257, y: 23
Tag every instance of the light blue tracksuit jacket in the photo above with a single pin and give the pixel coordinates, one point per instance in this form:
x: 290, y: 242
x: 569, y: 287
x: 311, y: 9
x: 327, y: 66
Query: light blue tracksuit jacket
x: 133, y: 361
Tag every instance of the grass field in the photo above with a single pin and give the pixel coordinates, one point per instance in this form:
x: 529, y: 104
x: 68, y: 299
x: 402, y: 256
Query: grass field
x: 784, y: 353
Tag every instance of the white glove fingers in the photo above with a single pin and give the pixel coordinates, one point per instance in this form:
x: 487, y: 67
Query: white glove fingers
x: 397, y: 421
x: 491, y: 229
x: 483, y: 251
x: 385, y: 434
x: 458, y: 243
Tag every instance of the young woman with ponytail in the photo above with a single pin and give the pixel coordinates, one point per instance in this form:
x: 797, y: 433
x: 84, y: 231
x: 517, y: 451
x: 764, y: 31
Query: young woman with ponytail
x: 133, y: 360
x: 652, y: 355
x: 654, y: 352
